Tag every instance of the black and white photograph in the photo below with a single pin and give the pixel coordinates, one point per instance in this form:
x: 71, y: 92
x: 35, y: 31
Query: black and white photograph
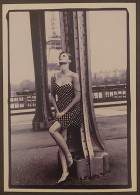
x: 69, y: 105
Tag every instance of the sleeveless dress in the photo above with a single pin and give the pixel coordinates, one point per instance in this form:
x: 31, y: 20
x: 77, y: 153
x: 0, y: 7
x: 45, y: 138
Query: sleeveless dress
x: 74, y: 117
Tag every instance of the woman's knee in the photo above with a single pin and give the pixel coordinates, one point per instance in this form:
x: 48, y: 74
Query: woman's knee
x: 54, y: 128
x: 51, y: 130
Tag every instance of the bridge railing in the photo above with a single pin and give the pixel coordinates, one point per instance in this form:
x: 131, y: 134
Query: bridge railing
x: 109, y: 93
x: 100, y: 94
x: 22, y: 102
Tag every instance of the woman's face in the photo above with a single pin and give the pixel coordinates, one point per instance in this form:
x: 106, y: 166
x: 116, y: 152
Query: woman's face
x: 64, y: 58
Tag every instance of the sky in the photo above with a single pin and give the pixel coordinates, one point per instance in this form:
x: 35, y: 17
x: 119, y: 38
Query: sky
x: 108, y: 42
x: 108, y: 38
x: 21, y: 59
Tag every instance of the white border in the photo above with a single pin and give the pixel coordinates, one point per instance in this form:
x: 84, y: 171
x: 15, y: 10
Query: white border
x: 131, y: 7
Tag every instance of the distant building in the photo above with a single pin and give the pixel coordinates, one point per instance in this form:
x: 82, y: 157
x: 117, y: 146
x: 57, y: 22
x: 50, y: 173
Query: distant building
x: 13, y: 93
x: 53, y: 49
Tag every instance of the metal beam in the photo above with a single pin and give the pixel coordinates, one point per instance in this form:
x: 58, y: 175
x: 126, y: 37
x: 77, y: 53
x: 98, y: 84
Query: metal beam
x: 43, y: 114
x: 74, y: 29
x: 66, y: 27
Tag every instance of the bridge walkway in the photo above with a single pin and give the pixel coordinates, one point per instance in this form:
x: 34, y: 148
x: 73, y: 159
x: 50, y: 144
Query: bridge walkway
x: 34, y: 154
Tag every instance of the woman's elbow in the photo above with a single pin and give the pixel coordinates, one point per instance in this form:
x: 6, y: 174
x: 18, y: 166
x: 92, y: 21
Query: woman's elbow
x: 78, y: 98
x: 50, y: 98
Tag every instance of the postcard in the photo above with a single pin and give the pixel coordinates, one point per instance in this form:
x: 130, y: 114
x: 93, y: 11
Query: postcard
x: 69, y: 97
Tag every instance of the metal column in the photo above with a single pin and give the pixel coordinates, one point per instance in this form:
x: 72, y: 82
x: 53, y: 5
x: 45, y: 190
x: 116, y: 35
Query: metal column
x: 43, y: 115
x: 77, y: 34
x: 66, y: 19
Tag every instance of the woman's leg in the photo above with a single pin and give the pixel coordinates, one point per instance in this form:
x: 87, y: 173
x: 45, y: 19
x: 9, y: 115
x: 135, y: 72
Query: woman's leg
x: 61, y: 153
x: 54, y: 131
x: 65, y: 172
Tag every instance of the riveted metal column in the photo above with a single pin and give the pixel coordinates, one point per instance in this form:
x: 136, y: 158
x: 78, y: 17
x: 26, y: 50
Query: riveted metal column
x: 67, y: 29
x: 77, y: 64
x: 76, y: 42
x: 84, y: 49
x: 96, y: 139
x: 70, y: 43
x: 84, y: 82
x: 43, y: 114
x: 93, y: 147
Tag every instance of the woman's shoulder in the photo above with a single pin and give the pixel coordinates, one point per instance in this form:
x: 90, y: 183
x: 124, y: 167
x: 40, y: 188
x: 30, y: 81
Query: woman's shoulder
x: 55, y: 75
x: 75, y: 75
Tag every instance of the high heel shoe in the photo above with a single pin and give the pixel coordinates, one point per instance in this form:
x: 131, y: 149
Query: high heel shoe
x: 63, y: 179
x: 69, y: 160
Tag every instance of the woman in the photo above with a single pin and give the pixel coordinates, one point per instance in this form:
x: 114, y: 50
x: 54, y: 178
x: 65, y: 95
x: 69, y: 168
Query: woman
x: 68, y: 109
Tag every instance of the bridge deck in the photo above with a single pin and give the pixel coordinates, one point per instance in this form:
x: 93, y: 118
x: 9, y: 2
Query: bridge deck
x: 35, y: 153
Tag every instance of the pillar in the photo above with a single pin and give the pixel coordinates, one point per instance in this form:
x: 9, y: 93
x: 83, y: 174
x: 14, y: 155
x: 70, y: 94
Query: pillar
x: 75, y: 39
x: 43, y: 115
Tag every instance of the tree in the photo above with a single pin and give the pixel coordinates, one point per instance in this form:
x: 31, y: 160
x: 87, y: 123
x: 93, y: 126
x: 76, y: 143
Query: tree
x: 27, y: 85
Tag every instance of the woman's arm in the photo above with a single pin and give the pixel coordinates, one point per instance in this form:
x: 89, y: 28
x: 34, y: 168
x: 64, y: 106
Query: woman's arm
x: 51, y: 97
x: 52, y: 100
x: 77, y: 93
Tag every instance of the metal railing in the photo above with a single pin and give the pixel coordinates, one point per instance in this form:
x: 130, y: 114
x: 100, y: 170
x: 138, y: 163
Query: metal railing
x: 100, y: 94
x: 22, y: 102
x: 109, y: 93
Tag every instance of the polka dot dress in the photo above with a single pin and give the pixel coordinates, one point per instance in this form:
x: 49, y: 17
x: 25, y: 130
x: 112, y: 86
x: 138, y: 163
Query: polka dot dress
x: 74, y: 117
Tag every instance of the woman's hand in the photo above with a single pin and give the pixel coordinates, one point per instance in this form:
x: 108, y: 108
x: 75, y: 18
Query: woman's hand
x: 59, y: 114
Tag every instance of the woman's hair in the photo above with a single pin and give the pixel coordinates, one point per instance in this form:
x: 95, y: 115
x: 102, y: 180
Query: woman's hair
x: 66, y: 53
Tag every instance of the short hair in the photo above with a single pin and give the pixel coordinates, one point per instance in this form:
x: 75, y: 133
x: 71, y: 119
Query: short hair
x: 66, y: 53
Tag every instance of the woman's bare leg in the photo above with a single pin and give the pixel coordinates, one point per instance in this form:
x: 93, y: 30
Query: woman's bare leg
x: 65, y: 172
x: 54, y: 131
x: 61, y: 153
